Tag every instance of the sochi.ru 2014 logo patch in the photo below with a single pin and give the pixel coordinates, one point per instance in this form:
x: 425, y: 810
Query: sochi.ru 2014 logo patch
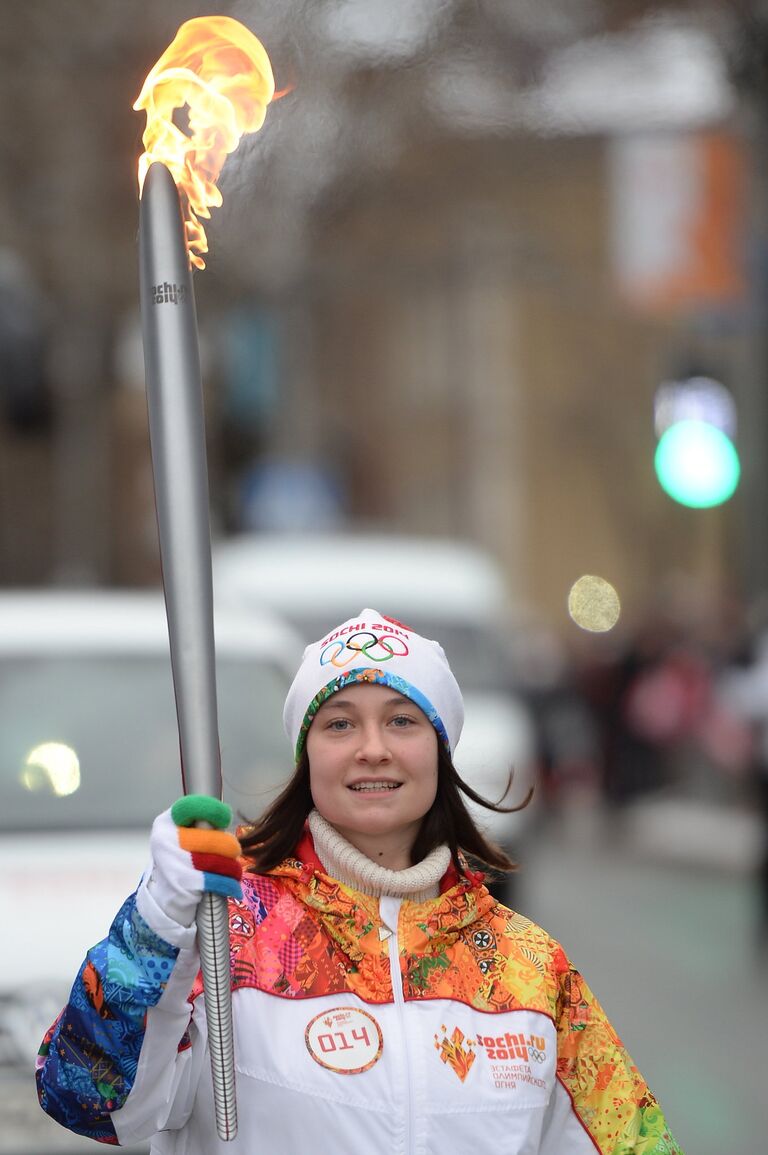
x: 345, y: 1039
x: 512, y: 1059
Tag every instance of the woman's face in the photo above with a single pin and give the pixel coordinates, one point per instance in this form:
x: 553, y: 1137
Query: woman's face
x: 373, y: 769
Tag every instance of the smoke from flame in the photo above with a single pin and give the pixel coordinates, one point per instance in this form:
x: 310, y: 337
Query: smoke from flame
x: 221, y: 74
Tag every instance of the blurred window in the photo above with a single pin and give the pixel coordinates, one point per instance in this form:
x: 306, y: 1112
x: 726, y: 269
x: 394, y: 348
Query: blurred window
x: 107, y: 727
x: 476, y: 656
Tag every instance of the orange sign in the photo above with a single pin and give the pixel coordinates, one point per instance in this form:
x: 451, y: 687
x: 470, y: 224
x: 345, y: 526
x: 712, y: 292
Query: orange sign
x: 678, y: 219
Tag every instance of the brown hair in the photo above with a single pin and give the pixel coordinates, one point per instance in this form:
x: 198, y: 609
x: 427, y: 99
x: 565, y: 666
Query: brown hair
x: 274, y: 836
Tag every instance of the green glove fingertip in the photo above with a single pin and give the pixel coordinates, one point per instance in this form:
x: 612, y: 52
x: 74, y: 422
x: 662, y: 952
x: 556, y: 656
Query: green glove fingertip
x: 194, y: 808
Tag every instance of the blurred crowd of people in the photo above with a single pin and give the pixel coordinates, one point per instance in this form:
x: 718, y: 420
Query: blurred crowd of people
x: 676, y: 706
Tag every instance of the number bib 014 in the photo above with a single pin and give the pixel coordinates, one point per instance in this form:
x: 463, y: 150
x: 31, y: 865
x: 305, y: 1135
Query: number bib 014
x: 345, y: 1040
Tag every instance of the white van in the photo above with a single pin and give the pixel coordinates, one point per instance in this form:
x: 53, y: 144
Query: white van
x: 90, y: 755
x: 447, y: 590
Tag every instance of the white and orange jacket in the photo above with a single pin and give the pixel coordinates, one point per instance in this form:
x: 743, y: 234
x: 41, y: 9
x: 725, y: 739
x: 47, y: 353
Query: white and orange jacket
x: 362, y: 1025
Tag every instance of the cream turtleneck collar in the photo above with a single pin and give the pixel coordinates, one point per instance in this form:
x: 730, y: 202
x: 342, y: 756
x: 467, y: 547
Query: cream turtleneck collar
x: 349, y: 865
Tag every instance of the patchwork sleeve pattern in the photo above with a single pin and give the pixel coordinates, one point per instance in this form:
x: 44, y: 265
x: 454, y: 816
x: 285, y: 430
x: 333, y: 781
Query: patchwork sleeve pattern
x: 609, y: 1095
x: 88, y: 1059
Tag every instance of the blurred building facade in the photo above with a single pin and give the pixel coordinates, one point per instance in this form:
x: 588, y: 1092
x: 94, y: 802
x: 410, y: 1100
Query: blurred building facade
x: 468, y: 317
x: 453, y: 345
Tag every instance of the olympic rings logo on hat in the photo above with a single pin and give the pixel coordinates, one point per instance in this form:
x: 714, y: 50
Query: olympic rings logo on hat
x: 377, y: 649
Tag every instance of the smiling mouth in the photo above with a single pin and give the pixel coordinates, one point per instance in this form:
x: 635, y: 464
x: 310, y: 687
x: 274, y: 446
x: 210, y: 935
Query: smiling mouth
x: 363, y: 787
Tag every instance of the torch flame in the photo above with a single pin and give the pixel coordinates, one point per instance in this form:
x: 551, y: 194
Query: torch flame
x: 220, y: 71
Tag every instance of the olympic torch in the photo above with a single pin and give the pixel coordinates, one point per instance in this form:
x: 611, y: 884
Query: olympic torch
x: 177, y: 440
x: 221, y: 73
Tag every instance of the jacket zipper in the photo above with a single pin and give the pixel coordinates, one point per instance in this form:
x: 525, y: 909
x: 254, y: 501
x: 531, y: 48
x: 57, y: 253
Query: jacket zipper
x: 389, y: 909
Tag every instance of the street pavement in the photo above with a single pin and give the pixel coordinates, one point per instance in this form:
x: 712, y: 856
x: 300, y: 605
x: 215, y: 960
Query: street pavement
x: 668, y: 947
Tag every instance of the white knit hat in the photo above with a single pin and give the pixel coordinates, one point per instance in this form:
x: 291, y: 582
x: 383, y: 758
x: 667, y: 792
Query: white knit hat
x: 373, y: 648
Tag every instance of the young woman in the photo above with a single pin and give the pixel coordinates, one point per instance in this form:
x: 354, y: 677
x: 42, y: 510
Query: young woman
x: 383, y: 1001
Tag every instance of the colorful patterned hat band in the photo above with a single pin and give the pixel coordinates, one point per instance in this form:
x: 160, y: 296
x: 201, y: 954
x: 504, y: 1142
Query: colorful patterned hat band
x: 379, y: 650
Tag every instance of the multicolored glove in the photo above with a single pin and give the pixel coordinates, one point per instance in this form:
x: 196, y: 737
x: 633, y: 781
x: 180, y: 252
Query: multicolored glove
x: 189, y: 860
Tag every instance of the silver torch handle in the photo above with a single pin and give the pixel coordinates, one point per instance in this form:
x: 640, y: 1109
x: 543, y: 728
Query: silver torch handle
x: 179, y: 466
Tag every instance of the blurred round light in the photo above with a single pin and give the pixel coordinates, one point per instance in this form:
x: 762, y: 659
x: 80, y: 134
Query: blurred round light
x: 697, y: 464
x: 594, y: 604
x: 53, y: 765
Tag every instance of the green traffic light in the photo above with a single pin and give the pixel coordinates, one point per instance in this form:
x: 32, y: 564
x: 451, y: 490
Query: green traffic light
x: 697, y: 464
